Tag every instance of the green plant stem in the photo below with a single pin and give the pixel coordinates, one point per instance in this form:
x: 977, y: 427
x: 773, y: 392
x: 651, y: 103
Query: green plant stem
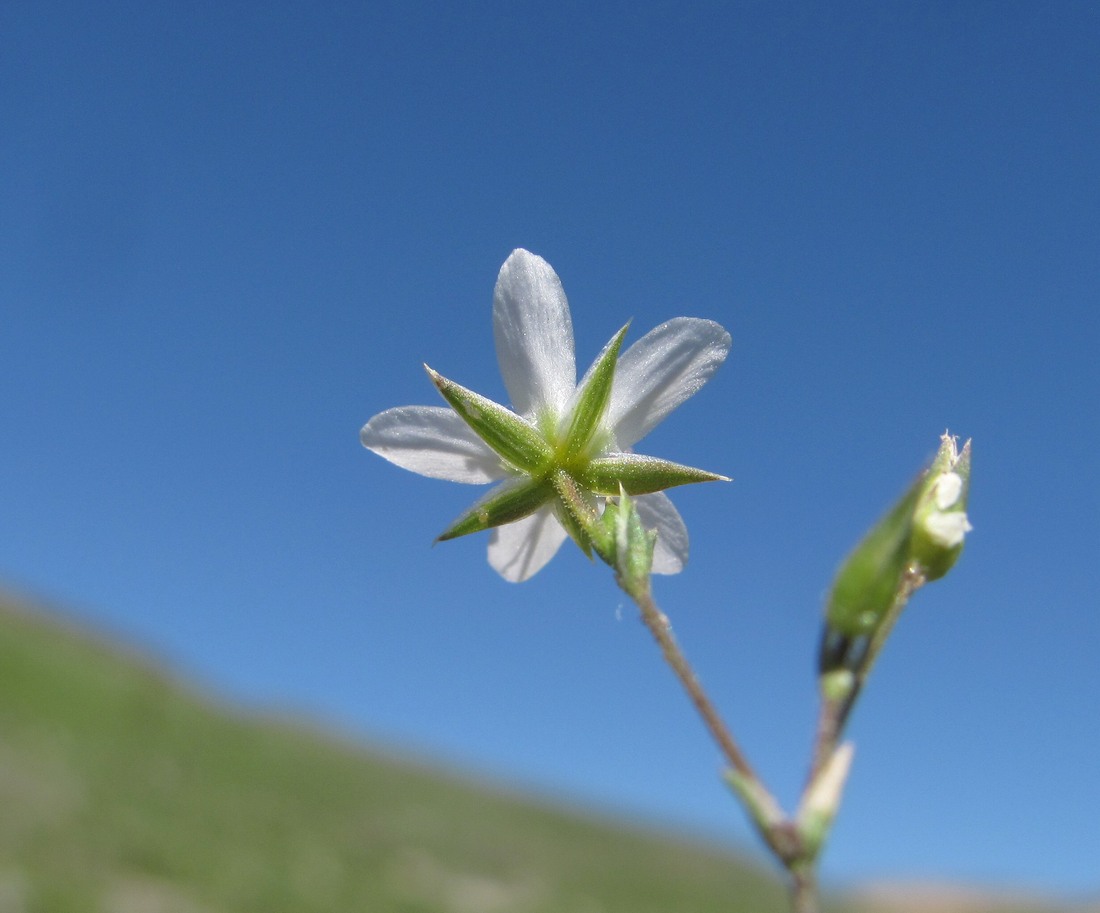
x: 661, y: 629
x: 834, y: 713
x: 804, y: 896
x: 778, y: 832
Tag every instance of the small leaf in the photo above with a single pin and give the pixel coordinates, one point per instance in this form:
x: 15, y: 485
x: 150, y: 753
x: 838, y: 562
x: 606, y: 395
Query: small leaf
x: 640, y: 475
x: 506, y: 503
x: 515, y: 439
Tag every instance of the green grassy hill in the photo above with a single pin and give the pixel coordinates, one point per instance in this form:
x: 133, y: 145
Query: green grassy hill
x: 122, y: 791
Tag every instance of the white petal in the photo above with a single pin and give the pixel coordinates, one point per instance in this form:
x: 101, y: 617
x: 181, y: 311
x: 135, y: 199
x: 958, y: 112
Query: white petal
x: 433, y: 441
x: 534, y: 335
x: 656, y: 511
x: 660, y: 371
x: 948, y: 488
x: 519, y: 550
x: 948, y: 529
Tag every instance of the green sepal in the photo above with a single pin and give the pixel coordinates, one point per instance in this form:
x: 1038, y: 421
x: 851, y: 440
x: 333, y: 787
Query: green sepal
x: 515, y: 439
x: 604, y: 539
x: 576, y: 510
x: 633, y: 546
x: 871, y: 577
x: 639, y: 474
x: 592, y: 399
x: 506, y: 503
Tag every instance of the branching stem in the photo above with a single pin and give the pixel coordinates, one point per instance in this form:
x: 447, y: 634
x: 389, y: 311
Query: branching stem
x: 778, y: 831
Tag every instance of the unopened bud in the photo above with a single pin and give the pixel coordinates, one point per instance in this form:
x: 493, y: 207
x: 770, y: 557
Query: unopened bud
x: 916, y: 542
x: 940, y: 522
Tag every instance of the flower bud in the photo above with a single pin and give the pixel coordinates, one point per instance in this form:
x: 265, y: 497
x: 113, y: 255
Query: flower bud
x: 940, y: 521
x: 916, y: 542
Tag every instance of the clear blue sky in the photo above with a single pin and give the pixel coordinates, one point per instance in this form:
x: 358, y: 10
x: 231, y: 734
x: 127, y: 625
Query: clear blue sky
x: 230, y: 233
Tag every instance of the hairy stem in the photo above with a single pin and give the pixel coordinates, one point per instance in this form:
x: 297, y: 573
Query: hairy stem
x: 631, y: 557
x: 661, y: 629
x: 777, y: 830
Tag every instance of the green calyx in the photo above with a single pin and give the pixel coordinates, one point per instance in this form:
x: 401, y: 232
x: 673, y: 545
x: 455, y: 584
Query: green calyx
x: 870, y: 578
x: 591, y: 403
x: 514, y: 439
x: 616, y: 535
x: 634, y: 546
x: 578, y: 512
x: 558, y: 460
x: 504, y: 504
x: 916, y: 542
x: 640, y: 475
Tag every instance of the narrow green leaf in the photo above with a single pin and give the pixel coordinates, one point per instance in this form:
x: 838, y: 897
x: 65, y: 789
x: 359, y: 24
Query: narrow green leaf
x: 639, y: 474
x: 592, y: 399
x: 515, y: 439
x: 504, y: 504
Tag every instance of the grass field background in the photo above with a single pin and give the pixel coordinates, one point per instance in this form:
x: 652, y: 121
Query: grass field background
x: 123, y: 790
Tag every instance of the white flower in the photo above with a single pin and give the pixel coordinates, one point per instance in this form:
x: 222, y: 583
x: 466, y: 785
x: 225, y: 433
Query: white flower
x: 586, y: 429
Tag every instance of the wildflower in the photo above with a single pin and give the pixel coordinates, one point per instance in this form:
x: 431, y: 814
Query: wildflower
x: 559, y: 434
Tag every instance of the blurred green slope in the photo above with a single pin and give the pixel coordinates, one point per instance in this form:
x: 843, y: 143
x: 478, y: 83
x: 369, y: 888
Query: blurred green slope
x: 123, y: 791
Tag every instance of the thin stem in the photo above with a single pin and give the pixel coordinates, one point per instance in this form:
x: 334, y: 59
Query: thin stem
x: 773, y: 825
x: 661, y: 629
x: 830, y: 725
x: 804, y: 897
x: 835, y: 711
x: 781, y: 834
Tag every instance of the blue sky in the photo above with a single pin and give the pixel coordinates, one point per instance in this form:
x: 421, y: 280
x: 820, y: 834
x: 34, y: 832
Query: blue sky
x: 230, y: 233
